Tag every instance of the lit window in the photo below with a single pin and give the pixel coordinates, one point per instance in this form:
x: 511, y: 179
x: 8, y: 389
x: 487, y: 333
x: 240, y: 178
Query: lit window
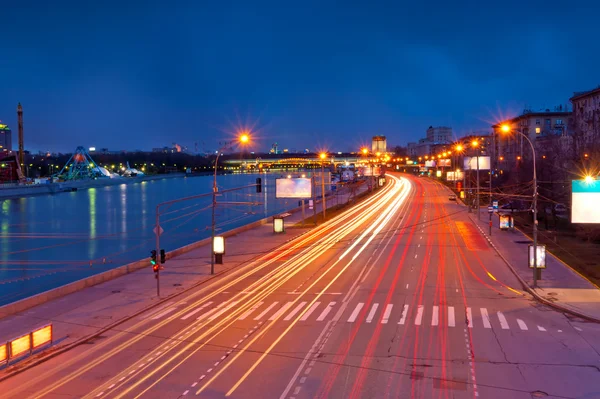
x: 538, y: 130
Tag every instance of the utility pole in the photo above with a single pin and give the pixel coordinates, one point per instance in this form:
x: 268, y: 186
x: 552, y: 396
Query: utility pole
x: 157, y: 232
x: 478, y: 213
x: 21, y: 145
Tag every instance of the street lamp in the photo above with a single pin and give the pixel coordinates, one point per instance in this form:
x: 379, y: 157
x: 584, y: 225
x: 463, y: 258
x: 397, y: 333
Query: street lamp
x: 323, y: 155
x: 244, y: 138
x: 506, y: 129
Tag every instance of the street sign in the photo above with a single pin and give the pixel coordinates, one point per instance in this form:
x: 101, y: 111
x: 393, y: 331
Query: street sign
x: 160, y: 230
x: 310, y: 204
x: 490, y: 209
x: 495, y: 204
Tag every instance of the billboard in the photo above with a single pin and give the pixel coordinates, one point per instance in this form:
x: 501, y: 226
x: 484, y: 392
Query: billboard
x: 453, y: 176
x: 299, y: 187
x: 471, y: 163
x: 585, y: 200
x: 444, y: 162
x: 371, y: 171
x: 430, y: 164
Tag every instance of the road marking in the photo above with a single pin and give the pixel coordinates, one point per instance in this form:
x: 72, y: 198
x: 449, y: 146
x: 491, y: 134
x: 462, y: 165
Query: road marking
x: 406, y: 286
x: 296, y: 310
x: 522, y: 324
x: 415, y: 256
x: 486, y: 318
x: 541, y: 328
x: 419, y: 317
x: 267, y: 310
x: 225, y: 309
x: 451, y: 320
x: 578, y: 329
x: 419, y: 246
x: 249, y: 311
x: 386, y: 314
x: 372, y: 312
x: 355, y: 312
x: 100, y: 394
x: 309, y: 311
x: 185, y: 393
x: 160, y: 308
x: 326, y: 311
x: 161, y: 314
x: 193, y: 312
x: 194, y: 384
x: 435, y: 316
x: 503, y: 322
x: 281, y: 311
x: 469, y: 318
x: 404, y: 314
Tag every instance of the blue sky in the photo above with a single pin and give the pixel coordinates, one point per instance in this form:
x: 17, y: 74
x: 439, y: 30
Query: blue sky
x: 137, y: 75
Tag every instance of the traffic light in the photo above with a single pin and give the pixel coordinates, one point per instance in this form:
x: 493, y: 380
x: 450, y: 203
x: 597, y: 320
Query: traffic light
x: 258, y: 185
x: 163, y: 256
x: 153, y: 257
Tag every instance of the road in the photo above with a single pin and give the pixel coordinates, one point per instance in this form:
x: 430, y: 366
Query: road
x: 399, y: 297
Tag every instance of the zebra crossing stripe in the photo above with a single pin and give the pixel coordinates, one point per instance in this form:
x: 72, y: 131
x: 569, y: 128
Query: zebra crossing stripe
x: 309, y: 311
x: 503, y: 322
x: 225, y: 309
x: 451, y: 319
x: 485, y: 318
x: 435, y: 317
x: 163, y: 313
x: 522, y: 324
x: 281, y: 311
x: 267, y: 310
x: 541, y: 328
x: 386, y: 313
x: 249, y: 311
x: 404, y: 314
x: 355, y: 312
x: 371, y: 314
x: 293, y: 312
x: 469, y: 318
x: 213, y: 310
x: 326, y: 311
x: 419, y: 317
x: 193, y: 312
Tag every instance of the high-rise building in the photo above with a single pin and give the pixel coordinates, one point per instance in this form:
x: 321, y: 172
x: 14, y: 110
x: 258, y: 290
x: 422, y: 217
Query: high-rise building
x: 5, y: 138
x: 379, y: 144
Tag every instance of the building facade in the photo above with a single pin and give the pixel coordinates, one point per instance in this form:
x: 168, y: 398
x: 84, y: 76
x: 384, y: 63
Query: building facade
x: 436, y: 138
x: 439, y: 135
x: 586, y: 118
x: 379, y: 144
x: 5, y: 138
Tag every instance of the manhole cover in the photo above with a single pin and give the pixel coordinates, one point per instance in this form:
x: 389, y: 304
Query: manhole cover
x: 116, y: 291
x: 523, y: 242
x: 538, y: 394
x: 176, y: 285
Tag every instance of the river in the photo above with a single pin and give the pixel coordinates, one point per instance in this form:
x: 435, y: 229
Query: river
x: 51, y: 240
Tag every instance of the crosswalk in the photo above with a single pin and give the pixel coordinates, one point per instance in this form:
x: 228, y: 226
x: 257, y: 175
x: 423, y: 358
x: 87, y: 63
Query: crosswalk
x: 404, y: 314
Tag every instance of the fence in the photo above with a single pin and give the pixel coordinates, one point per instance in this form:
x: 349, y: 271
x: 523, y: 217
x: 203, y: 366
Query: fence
x: 26, y: 344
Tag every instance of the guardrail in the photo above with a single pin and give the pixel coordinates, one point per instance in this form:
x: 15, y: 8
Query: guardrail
x: 26, y: 344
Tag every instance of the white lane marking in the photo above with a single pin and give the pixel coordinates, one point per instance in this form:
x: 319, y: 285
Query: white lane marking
x: 121, y: 379
x: 326, y: 311
x: 404, y: 314
x: 522, y: 324
x: 451, y: 319
x: 225, y: 309
x: 163, y: 313
x: 186, y: 392
x: 281, y: 311
x: 419, y: 317
x: 194, y: 384
x: 406, y: 286
x: 386, y: 313
x: 469, y: 318
x: 193, y: 312
x: 202, y: 376
x: 420, y: 238
x: 309, y: 311
x: 155, y: 311
x: 267, y: 310
x: 112, y: 386
x: 541, y: 328
x: 578, y: 329
x: 355, y: 312
x: 372, y: 312
x: 293, y: 312
x: 503, y: 322
x: 213, y: 310
x: 419, y: 246
x: 249, y: 311
x: 100, y: 394
x: 415, y: 256
x: 435, y: 317
x: 485, y: 317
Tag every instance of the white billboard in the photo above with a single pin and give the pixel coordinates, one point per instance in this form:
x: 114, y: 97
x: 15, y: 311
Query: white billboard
x: 445, y: 163
x: 299, y: 187
x: 430, y: 164
x: 585, y: 200
x: 453, y: 176
x: 471, y: 163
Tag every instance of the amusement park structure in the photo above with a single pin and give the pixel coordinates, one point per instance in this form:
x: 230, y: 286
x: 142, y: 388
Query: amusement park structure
x: 81, y: 166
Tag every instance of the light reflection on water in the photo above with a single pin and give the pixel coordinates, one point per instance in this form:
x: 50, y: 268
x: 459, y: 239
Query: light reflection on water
x: 52, y: 238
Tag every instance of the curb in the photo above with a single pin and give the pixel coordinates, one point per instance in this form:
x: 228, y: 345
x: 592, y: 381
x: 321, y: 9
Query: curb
x: 530, y: 290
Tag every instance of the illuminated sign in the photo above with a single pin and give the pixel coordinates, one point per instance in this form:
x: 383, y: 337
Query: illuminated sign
x: 278, y: 226
x: 541, y: 256
x: 3, y: 353
x: 471, y: 163
x: 20, y: 345
x: 438, y: 173
x: 42, y: 336
x: 585, y: 200
x: 293, y: 188
x: 444, y: 162
x: 219, y: 245
x: 506, y: 222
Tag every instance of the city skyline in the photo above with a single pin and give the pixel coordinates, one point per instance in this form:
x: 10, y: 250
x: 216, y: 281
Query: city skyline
x: 327, y: 79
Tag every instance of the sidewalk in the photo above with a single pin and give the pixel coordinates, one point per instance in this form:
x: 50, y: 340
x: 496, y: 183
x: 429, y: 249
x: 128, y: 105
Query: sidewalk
x: 560, y: 286
x: 80, y: 316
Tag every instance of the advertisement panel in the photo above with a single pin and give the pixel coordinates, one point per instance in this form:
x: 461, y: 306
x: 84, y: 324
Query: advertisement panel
x: 453, y: 176
x: 540, y: 262
x: 585, y: 200
x: 445, y: 163
x: 471, y: 163
x: 372, y: 171
x: 430, y: 164
x: 293, y: 188
x: 506, y: 222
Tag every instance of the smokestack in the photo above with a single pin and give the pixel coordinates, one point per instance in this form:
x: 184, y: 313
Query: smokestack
x: 21, y: 151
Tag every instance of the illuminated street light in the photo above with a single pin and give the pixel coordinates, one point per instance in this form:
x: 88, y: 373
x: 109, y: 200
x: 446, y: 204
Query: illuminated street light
x: 589, y: 179
x: 459, y: 147
x: 365, y: 151
x: 505, y: 128
x: 474, y: 143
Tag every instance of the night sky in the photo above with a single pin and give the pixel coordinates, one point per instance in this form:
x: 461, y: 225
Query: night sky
x: 137, y: 75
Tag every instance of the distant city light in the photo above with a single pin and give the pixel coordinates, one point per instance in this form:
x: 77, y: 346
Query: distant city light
x: 92, y: 149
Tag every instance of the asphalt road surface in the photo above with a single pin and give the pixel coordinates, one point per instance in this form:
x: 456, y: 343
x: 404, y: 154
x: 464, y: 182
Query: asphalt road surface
x: 399, y: 297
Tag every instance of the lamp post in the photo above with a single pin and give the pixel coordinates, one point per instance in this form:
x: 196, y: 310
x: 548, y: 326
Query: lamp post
x: 243, y: 139
x: 507, y: 129
x: 323, y: 156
